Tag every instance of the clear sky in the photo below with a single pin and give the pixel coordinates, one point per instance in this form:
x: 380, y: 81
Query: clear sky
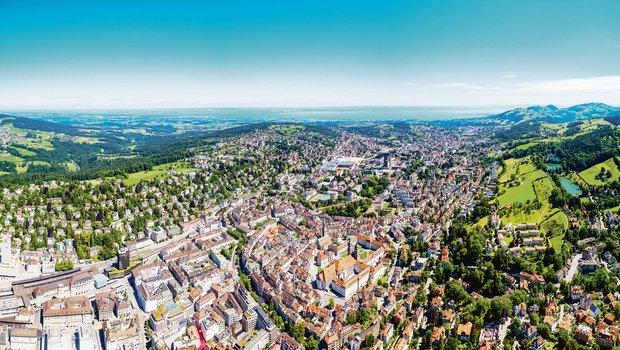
x: 204, y: 53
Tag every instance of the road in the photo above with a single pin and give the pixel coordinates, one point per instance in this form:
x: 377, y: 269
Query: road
x: 555, y: 324
x: 503, y: 330
x: 423, y: 326
x: 574, y: 267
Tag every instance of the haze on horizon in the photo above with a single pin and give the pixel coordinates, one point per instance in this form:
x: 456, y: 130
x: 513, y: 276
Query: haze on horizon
x: 156, y: 54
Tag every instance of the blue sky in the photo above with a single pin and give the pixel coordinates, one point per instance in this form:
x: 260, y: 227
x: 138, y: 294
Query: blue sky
x: 307, y: 53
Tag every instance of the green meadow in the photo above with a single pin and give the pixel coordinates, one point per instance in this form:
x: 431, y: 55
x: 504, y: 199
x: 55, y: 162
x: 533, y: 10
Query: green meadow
x: 590, y: 175
x: 158, y: 172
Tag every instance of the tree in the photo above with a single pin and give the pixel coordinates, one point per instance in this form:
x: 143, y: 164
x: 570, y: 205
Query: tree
x: 369, y: 341
x: 562, y: 339
x: 456, y: 292
x: 452, y: 343
x: 544, y: 331
x: 297, y: 332
x: 65, y: 265
x: 331, y: 304
x: 312, y: 343
x: 571, y: 344
x: 500, y: 308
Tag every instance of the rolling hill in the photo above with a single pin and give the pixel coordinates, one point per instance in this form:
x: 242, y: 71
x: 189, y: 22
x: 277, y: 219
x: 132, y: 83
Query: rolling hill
x: 551, y: 113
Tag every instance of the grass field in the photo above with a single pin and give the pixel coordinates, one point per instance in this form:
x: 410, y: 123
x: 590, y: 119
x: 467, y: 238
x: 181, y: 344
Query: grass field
x: 526, y: 146
x: 522, y: 189
x: 23, y: 152
x: 88, y: 140
x: 589, y: 175
x: 70, y: 166
x: 21, y: 166
x: 528, y: 183
x: 158, y: 172
x: 39, y: 162
x: 290, y: 129
x: 482, y: 222
x: 559, y: 217
x: 12, y: 159
x: 15, y: 130
x: 32, y: 143
x: 614, y: 209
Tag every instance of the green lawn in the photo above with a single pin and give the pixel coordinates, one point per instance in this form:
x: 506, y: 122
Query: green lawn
x: 70, y: 166
x: 511, y: 168
x: 522, y: 182
x: 39, y: 162
x: 15, y: 130
x: 290, y: 129
x: 482, y: 222
x: 526, y: 146
x: 88, y: 140
x: 12, y: 159
x: 36, y: 143
x: 21, y: 166
x: 556, y: 242
x: 522, y: 189
x: 529, y: 184
x: 24, y: 152
x: 158, y: 172
x: 363, y: 253
x: 614, y: 209
x: 561, y: 218
x: 589, y: 175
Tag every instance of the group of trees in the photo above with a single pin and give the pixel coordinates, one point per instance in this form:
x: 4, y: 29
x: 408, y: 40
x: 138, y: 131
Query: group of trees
x: 375, y: 185
x: 64, y: 265
x: 362, y: 316
x: 352, y: 209
x: 577, y: 153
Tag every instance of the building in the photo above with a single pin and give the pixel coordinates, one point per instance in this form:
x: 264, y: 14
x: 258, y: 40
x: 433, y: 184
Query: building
x: 8, y: 260
x: 122, y: 258
x: 288, y: 343
x: 25, y: 338
x: 464, y: 331
x: 345, y: 276
x: 258, y: 342
x: 123, y: 334
x: 71, y: 313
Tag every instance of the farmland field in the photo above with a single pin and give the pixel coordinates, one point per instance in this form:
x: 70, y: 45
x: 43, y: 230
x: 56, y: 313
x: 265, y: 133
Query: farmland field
x: 589, y: 175
x: 520, y: 183
x: 157, y: 172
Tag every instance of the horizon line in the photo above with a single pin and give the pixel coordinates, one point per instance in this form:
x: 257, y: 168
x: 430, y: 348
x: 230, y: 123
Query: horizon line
x: 224, y: 107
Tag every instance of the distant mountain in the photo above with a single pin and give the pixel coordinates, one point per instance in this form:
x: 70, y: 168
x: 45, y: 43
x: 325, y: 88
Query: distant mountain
x: 554, y: 114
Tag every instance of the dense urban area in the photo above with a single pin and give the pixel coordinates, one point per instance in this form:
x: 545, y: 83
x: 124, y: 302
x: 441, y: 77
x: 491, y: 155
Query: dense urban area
x: 498, y: 233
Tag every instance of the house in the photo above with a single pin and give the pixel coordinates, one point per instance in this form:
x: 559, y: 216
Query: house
x: 521, y: 310
x: 583, y: 334
x: 575, y: 293
x: 438, y: 336
x: 528, y: 331
x: 387, y: 333
x: 463, y: 331
x: 447, y: 316
x: 548, y: 321
x: 538, y: 343
x: 606, y: 339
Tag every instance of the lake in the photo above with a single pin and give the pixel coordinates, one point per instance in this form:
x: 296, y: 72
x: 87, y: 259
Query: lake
x: 553, y: 166
x: 570, y: 186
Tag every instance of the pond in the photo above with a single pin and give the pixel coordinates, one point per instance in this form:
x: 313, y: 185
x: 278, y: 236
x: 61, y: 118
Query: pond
x: 570, y: 186
x: 553, y: 166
